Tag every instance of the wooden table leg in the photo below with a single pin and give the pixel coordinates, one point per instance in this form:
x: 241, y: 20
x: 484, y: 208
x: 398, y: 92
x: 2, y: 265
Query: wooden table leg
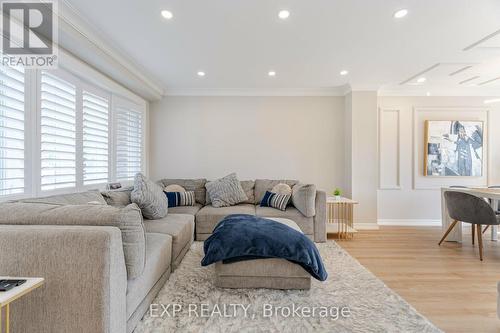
x: 351, y: 220
x: 7, y: 318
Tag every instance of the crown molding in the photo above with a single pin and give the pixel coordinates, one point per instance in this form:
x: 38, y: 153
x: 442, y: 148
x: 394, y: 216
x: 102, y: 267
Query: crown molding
x: 439, y: 91
x: 336, y: 91
x: 84, y: 41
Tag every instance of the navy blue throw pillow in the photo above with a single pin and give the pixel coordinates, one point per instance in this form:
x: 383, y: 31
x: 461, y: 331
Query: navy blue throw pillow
x: 275, y: 200
x: 180, y: 198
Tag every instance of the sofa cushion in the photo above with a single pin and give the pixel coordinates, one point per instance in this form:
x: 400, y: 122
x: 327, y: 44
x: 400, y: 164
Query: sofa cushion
x: 158, y: 258
x: 248, y: 187
x: 226, y: 191
x: 127, y: 219
x: 196, y: 185
x: 306, y: 224
x: 191, y: 210
x: 180, y: 227
x: 263, y: 185
x: 149, y: 197
x: 304, y: 198
x: 208, y: 217
x: 118, y: 198
x: 81, y: 198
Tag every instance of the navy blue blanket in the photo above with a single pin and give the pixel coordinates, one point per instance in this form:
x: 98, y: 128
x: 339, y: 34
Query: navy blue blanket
x: 244, y: 237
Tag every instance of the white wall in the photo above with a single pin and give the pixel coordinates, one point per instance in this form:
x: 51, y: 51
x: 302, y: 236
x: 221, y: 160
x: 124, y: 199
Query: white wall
x: 257, y: 137
x: 405, y: 195
x: 361, y: 114
x: 329, y: 141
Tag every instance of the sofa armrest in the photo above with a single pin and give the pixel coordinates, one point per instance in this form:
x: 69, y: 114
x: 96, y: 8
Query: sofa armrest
x: 85, y: 277
x: 320, y: 217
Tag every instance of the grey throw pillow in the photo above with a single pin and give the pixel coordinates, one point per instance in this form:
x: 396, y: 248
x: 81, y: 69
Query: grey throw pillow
x: 149, y: 197
x: 226, y: 191
x: 304, y: 199
x: 118, y: 198
x: 248, y: 188
x: 283, y: 189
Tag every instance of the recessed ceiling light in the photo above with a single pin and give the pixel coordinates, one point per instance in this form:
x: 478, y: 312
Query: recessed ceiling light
x: 167, y: 14
x: 344, y: 72
x: 271, y: 73
x: 421, y: 79
x: 493, y: 100
x: 201, y: 73
x: 401, y: 13
x: 283, y: 14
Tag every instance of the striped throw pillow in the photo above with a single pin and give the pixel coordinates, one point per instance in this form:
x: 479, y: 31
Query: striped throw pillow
x: 180, y: 198
x: 275, y: 200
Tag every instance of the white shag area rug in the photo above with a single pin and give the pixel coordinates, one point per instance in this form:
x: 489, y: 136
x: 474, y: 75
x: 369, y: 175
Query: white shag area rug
x: 351, y: 300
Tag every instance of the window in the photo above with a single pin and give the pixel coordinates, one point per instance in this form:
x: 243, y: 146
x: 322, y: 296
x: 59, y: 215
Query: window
x: 95, y: 139
x: 12, y: 129
x: 61, y: 134
x: 128, y: 129
x: 57, y: 133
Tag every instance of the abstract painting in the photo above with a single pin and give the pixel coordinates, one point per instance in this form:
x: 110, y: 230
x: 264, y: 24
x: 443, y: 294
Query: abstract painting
x: 453, y: 148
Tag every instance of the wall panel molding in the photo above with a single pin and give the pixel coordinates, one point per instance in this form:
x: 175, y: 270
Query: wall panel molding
x: 384, y: 120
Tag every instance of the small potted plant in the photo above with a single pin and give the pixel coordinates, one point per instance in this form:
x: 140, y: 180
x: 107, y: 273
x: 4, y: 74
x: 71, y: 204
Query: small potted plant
x: 337, y: 193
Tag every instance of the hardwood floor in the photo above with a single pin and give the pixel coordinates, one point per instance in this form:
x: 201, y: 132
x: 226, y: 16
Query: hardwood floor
x: 447, y: 284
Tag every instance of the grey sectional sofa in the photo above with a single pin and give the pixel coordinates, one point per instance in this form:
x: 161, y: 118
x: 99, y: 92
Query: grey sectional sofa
x: 207, y: 216
x: 86, y: 263
x: 87, y: 286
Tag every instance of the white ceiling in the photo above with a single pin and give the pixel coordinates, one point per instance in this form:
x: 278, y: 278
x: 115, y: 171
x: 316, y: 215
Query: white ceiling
x: 237, y: 42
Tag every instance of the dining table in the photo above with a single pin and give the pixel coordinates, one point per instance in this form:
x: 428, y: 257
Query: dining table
x: 490, y: 194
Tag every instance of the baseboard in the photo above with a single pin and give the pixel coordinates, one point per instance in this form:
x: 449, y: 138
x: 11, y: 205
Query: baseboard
x: 410, y: 222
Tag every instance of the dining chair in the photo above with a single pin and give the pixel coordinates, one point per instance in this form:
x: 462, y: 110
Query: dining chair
x: 473, y: 230
x: 496, y: 187
x: 497, y: 208
x: 468, y: 208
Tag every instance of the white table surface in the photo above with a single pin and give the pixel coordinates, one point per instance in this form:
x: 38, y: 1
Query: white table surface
x: 331, y: 199
x: 456, y: 234
x: 11, y: 295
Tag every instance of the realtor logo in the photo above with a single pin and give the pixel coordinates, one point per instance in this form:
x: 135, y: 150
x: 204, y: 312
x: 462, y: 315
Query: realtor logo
x: 29, y: 31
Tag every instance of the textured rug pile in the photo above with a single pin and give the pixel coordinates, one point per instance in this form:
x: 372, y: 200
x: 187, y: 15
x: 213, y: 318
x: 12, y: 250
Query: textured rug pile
x: 351, y: 300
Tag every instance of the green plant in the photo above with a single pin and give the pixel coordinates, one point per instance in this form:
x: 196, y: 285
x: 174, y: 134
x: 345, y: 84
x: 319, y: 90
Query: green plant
x: 337, y: 192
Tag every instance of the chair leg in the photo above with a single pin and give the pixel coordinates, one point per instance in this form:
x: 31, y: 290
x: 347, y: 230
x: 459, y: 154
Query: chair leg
x: 448, y: 231
x: 484, y: 230
x: 473, y: 232
x: 480, y: 241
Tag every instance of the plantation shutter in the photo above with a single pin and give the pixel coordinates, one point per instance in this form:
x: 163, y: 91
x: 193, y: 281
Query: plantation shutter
x: 129, y: 127
x: 12, y: 129
x: 58, y: 133
x: 95, y: 139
